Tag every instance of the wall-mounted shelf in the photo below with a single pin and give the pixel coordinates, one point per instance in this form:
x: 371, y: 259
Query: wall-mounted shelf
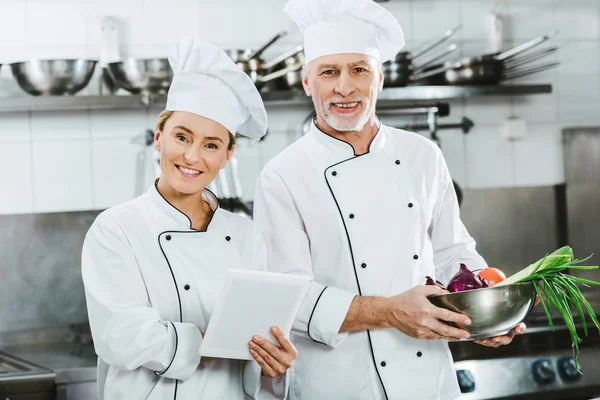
x: 389, y: 97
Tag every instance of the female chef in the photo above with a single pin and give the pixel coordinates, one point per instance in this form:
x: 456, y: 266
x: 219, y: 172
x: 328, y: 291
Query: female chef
x: 153, y: 267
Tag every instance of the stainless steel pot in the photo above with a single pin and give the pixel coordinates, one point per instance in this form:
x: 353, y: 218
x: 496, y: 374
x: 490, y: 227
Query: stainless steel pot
x: 53, y: 77
x: 142, y: 75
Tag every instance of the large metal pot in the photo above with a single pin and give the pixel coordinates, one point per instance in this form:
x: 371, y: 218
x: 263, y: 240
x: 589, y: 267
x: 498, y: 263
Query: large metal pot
x: 53, y: 77
x: 488, y: 69
x: 142, y: 75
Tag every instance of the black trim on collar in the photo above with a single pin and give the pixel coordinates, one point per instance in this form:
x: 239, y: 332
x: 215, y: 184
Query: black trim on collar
x: 174, y: 353
x: 354, y: 267
x: 343, y: 141
x: 184, y: 214
x: 311, y: 315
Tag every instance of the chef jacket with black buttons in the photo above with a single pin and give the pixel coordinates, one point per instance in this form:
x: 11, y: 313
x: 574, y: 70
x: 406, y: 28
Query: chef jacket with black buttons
x: 151, y: 284
x: 375, y: 225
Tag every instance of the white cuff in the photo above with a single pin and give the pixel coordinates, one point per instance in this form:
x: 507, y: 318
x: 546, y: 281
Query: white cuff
x: 328, y: 315
x: 186, y: 356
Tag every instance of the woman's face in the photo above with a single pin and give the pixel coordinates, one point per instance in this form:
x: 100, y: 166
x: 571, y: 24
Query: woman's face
x: 193, y: 149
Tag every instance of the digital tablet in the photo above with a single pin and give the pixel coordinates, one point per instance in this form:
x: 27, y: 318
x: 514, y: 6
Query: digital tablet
x: 250, y: 303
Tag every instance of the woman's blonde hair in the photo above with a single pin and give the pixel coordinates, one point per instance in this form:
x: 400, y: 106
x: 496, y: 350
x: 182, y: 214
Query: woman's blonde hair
x: 164, y: 116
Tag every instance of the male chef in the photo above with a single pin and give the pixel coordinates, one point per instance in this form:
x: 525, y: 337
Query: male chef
x: 367, y: 211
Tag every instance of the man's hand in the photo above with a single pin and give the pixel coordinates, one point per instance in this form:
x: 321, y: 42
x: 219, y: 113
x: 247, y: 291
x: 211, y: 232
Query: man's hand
x: 414, y: 315
x: 274, y: 360
x: 498, y: 341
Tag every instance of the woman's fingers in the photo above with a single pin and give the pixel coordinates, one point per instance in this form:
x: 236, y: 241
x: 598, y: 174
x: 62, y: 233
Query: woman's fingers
x: 279, y: 359
x: 275, y: 367
x: 267, y: 370
x: 285, y: 343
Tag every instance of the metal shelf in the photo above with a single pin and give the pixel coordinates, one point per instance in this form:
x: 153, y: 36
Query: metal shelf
x: 389, y: 97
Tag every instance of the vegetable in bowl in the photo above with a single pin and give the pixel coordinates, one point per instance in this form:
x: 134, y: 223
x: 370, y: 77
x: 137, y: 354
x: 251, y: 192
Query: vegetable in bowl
x: 554, y: 286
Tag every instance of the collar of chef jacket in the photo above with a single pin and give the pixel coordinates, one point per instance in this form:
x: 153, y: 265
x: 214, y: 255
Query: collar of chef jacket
x: 179, y: 219
x: 344, y: 148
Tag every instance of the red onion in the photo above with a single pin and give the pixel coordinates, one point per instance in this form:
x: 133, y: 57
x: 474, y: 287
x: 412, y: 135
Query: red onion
x: 430, y: 282
x: 463, y: 280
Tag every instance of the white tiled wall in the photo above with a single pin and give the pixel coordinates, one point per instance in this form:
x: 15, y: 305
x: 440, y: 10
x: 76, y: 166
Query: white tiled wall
x: 52, y: 161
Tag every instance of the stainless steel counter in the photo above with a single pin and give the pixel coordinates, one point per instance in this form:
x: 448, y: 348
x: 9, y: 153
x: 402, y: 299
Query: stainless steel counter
x: 71, y: 362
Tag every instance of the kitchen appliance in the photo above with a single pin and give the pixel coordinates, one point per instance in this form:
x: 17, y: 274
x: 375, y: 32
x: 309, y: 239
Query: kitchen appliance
x: 22, y: 380
x: 53, y: 77
x: 536, y: 365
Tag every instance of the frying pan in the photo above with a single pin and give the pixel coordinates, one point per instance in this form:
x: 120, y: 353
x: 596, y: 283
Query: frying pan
x: 397, y: 71
x: 487, y: 69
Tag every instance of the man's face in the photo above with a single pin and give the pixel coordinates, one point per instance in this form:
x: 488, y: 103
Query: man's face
x: 344, y: 89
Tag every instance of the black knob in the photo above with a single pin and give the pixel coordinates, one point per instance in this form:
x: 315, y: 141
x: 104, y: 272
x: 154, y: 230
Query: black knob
x: 466, y: 381
x: 168, y: 237
x: 543, y: 372
x: 567, y: 369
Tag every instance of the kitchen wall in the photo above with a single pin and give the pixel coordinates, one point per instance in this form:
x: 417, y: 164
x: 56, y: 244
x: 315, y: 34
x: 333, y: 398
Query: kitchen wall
x: 59, y: 161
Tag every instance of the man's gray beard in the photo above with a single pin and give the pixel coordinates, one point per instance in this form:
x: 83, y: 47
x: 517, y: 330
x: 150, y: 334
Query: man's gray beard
x: 339, y: 126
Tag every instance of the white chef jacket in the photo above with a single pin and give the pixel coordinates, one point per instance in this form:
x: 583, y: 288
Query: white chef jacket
x: 375, y: 224
x: 151, y: 283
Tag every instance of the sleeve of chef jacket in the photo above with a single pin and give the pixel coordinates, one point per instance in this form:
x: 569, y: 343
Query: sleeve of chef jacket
x: 452, y: 244
x: 127, y: 332
x: 280, y: 224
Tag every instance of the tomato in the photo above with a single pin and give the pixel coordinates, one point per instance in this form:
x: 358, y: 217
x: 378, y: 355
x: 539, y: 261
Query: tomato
x: 492, y: 275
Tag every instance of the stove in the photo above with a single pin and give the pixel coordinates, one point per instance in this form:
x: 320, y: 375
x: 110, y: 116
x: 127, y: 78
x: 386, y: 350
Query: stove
x: 536, y: 365
x: 22, y: 380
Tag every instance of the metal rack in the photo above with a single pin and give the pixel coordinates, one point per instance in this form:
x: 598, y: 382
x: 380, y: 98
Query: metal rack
x: 389, y: 97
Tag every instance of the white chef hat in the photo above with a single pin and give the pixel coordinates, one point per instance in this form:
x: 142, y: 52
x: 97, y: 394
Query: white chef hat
x: 346, y: 26
x: 207, y: 82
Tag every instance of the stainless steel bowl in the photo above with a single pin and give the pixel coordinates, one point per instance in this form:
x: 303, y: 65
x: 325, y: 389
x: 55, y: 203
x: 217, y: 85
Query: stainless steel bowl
x: 53, y: 77
x: 493, y: 311
x: 142, y: 75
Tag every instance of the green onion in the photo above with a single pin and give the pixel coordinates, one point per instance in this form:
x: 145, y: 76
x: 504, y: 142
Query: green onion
x: 558, y: 289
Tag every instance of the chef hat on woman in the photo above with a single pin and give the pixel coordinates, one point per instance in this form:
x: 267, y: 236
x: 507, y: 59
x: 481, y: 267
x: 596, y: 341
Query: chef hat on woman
x: 208, y: 83
x: 346, y: 26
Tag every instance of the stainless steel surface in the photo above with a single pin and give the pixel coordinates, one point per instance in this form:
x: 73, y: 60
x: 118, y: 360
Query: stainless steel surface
x: 41, y: 284
x: 535, y: 377
x: 142, y: 75
x: 53, y: 77
x: 70, y: 362
x: 13, y: 368
x: 582, y: 175
x: 24, y: 380
x: 493, y: 311
x: 513, y: 366
x: 495, y: 218
x: 388, y: 97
